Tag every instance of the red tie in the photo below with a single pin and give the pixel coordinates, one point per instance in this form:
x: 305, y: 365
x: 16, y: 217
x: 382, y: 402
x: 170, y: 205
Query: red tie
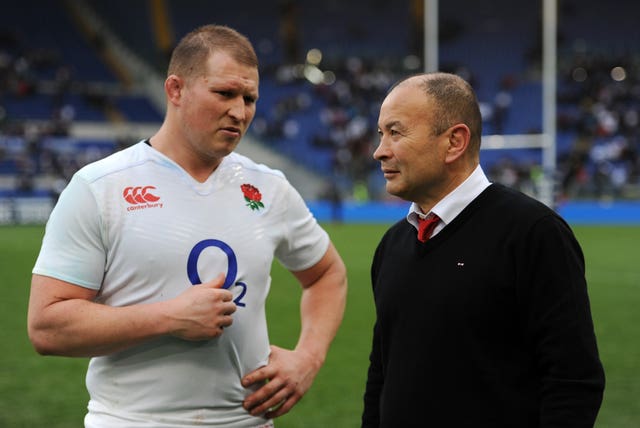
x: 426, y: 226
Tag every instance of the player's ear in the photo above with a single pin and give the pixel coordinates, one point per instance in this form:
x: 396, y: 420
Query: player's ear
x: 173, y: 88
x: 459, y: 136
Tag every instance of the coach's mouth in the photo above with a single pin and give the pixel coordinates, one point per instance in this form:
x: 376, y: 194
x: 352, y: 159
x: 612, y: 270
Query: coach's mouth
x: 389, y: 173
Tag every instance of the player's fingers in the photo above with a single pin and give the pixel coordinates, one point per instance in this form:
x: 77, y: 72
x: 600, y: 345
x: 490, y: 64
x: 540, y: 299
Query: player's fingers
x: 226, y: 321
x: 283, y: 408
x: 229, y: 307
x: 262, y: 374
x: 226, y: 296
x: 268, y: 397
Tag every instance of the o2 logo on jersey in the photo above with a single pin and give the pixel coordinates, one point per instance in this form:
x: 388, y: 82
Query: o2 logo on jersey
x: 232, y: 267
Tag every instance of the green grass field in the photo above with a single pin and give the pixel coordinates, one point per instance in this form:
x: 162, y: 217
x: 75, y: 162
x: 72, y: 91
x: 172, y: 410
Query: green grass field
x: 49, y: 392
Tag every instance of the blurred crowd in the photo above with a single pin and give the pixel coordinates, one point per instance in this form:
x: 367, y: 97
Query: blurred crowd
x: 598, y: 115
x: 599, y: 105
x: 22, y: 80
x: 36, y: 115
x: 597, y: 123
x: 27, y: 74
x: 345, y: 125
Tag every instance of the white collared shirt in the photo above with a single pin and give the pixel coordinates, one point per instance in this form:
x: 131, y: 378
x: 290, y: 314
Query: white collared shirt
x: 451, y: 205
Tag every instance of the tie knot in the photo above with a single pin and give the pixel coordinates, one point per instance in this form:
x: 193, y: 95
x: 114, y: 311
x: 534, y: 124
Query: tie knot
x: 426, y: 226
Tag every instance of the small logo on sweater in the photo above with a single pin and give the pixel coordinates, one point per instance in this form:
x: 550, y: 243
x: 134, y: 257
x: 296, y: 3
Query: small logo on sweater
x: 253, y: 196
x: 141, y: 197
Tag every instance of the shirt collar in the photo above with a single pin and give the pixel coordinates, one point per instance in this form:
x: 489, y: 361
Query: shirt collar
x: 451, y: 205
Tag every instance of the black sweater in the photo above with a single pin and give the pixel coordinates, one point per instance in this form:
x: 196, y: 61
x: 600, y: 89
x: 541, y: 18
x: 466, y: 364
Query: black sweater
x: 487, y: 324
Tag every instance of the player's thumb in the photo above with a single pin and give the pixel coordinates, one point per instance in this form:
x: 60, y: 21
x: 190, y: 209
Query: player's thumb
x: 217, y: 282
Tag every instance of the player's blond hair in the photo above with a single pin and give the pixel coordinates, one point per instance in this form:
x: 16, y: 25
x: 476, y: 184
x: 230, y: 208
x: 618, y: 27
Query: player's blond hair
x: 189, y: 57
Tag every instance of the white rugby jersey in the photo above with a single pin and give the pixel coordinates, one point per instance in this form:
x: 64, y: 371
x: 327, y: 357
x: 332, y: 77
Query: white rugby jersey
x: 139, y: 229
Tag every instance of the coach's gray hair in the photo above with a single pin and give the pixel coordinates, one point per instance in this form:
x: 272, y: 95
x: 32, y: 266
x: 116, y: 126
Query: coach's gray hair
x: 452, y: 101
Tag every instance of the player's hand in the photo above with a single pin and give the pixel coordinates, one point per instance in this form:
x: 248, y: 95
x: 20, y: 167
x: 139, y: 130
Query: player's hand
x: 202, y: 311
x: 288, y: 376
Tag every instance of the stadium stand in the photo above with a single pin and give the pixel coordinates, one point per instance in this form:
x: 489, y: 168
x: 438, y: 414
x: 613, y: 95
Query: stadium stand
x: 325, y: 66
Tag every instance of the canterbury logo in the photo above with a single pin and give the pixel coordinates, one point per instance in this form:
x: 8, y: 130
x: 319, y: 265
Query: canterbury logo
x: 141, y: 197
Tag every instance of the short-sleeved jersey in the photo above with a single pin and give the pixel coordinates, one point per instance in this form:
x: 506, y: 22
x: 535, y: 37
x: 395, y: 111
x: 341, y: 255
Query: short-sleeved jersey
x: 137, y: 228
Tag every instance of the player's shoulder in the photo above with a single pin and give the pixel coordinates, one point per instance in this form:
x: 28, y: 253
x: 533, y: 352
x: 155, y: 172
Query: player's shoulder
x: 132, y: 156
x: 238, y: 161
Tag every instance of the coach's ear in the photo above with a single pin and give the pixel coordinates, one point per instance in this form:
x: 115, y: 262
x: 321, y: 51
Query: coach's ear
x: 459, y: 137
x: 173, y: 88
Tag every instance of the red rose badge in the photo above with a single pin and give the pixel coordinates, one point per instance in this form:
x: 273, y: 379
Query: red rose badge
x: 253, y: 196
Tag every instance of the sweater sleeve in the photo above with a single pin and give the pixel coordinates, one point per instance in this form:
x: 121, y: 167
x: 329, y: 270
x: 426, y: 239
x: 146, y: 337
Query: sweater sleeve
x: 375, y: 380
x: 559, y: 326
x: 375, y: 377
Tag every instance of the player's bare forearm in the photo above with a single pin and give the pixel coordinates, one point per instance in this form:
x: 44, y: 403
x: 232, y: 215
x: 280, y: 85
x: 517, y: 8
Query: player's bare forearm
x: 79, y: 328
x: 64, y: 320
x: 322, y: 308
x: 291, y: 373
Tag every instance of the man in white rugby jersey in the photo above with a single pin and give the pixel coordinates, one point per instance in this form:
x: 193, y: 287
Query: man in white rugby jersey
x: 156, y: 263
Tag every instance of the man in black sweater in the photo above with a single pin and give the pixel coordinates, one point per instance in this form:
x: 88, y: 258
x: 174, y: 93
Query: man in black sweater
x: 483, y: 316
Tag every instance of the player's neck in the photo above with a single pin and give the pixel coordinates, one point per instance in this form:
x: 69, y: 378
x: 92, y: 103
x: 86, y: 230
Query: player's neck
x: 198, y: 166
